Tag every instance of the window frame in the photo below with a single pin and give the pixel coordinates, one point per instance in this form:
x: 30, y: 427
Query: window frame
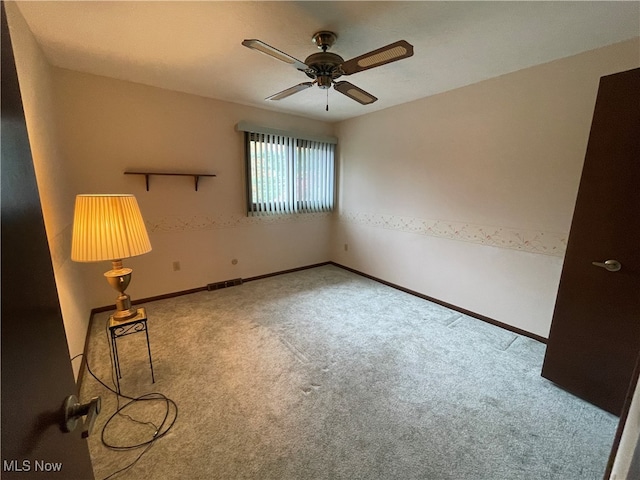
x: 293, y: 164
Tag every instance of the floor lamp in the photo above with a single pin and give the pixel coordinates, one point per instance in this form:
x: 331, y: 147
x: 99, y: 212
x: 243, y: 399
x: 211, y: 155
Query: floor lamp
x: 110, y: 227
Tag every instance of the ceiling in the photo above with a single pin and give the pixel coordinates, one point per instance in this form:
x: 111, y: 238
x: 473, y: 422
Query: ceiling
x: 195, y: 47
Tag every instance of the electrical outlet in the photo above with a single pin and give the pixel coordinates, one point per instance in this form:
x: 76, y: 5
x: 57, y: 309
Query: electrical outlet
x: 346, y: 247
x: 176, y: 266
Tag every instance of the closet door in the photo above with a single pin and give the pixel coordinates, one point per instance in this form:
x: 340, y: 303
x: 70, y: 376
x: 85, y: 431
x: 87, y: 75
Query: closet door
x: 595, y: 332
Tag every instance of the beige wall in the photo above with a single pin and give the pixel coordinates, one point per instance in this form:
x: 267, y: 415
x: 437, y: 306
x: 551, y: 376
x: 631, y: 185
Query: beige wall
x: 467, y: 196
x: 107, y: 126
x: 56, y: 192
x: 85, y: 131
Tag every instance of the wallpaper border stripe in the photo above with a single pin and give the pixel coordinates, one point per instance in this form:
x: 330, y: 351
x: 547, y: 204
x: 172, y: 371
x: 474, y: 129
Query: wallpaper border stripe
x: 531, y: 241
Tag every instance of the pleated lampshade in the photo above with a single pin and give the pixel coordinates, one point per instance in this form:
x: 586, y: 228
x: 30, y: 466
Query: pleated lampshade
x: 108, y: 227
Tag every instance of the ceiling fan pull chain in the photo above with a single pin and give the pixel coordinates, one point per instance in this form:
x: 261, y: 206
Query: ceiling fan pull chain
x: 327, y: 100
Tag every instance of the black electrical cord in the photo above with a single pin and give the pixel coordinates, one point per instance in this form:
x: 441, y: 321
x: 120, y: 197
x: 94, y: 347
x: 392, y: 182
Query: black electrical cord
x: 159, y: 431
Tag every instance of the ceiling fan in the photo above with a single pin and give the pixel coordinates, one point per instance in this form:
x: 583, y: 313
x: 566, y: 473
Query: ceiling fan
x: 325, y: 67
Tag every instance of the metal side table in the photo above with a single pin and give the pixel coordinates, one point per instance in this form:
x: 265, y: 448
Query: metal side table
x: 122, y: 328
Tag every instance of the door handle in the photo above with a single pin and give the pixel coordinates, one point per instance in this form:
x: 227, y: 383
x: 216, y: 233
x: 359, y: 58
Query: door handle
x: 610, y: 265
x: 74, y: 411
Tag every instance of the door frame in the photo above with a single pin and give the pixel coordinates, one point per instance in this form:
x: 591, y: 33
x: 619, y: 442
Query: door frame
x: 622, y: 423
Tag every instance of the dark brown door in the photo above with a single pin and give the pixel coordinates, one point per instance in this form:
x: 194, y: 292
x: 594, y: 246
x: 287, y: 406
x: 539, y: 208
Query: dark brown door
x: 595, y: 332
x: 36, y: 370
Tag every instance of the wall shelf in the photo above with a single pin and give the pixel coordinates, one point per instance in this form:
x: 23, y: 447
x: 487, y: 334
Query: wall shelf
x: 196, y: 176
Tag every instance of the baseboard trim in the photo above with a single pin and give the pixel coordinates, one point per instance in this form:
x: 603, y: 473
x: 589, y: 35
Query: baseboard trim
x: 464, y: 311
x: 282, y: 272
x: 138, y: 301
x: 446, y: 304
x: 83, y: 363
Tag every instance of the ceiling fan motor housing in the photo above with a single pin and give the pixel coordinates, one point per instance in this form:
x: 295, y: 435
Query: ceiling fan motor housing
x: 324, y: 67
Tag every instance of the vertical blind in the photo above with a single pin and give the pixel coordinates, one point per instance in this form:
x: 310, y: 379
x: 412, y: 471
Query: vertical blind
x: 288, y: 175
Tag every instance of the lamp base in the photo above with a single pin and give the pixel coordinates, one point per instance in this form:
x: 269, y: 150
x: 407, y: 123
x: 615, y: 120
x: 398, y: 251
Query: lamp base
x: 138, y: 314
x: 124, y: 313
x: 119, y: 278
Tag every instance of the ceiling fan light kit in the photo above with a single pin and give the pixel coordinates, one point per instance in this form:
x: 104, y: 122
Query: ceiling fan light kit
x: 324, y: 68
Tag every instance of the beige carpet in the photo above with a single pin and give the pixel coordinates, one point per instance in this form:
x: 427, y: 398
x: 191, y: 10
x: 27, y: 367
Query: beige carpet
x: 324, y: 374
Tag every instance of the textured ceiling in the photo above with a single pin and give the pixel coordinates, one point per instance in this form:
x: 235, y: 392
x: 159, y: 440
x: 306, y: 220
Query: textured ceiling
x: 195, y: 47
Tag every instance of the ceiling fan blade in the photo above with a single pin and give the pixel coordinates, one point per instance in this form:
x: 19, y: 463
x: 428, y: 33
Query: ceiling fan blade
x: 290, y: 91
x: 274, y: 52
x: 355, y: 93
x: 391, y: 53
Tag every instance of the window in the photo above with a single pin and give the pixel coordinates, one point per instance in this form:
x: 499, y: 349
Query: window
x: 288, y: 175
